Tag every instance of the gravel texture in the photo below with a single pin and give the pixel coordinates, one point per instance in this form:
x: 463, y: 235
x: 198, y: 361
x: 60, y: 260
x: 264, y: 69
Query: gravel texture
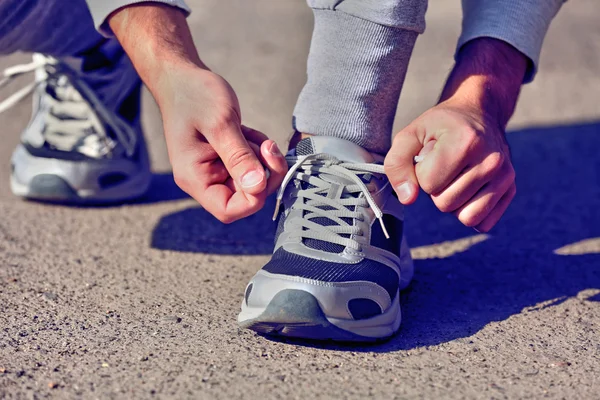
x: 140, y: 300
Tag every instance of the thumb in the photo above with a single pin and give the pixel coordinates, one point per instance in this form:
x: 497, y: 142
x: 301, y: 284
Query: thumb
x: 240, y: 160
x: 399, y: 166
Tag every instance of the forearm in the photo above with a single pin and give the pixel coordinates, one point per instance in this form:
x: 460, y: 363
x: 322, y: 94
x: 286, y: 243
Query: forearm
x: 102, y: 9
x: 521, y: 23
x: 156, y: 38
x: 487, y: 76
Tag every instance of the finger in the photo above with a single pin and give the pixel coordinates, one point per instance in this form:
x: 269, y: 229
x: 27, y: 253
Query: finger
x: 230, y: 183
x: 255, y: 148
x: 239, y: 158
x: 399, y: 166
x: 254, y: 136
x: 446, y: 161
x: 484, y: 201
x: 229, y: 205
x: 494, y: 216
x: 272, y: 157
x: 469, y: 182
x: 217, y: 192
x: 202, y: 175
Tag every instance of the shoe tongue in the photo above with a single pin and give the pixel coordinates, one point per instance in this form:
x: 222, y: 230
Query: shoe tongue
x: 341, y: 149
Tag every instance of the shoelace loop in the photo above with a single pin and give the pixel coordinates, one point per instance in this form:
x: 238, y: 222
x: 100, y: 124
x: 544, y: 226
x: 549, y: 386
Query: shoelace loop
x: 47, y: 68
x: 307, y: 168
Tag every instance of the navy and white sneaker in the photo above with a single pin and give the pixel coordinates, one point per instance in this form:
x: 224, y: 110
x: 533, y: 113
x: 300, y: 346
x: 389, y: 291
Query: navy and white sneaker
x: 340, y: 259
x: 84, y: 142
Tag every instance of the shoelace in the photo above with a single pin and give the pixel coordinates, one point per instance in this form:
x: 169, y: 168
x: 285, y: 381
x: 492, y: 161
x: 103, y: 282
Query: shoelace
x: 76, y: 100
x: 307, y: 169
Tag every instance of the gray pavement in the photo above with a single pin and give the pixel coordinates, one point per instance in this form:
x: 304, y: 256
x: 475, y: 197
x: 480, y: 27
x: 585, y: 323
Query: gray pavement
x: 140, y: 300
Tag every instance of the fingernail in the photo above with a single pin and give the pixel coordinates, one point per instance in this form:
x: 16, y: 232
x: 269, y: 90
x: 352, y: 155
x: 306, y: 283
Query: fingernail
x: 274, y: 149
x: 404, y: 192
x: 252, y: 178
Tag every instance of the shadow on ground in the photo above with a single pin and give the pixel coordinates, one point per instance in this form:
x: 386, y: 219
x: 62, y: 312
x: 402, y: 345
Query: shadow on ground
x: 250, y: 236
x: 516, y: 268
x: 162, y: 188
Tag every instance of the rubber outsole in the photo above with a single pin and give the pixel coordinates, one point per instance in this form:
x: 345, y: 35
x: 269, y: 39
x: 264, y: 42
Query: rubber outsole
x: 296, y: 314
x: 48, y: 188
x: 52, y: 187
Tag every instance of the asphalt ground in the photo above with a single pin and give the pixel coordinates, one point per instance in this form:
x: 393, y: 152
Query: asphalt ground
x: 140, y: 300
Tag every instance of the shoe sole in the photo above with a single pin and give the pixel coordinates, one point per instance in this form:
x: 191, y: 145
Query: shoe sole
x: 50, y: 183
x: 297, y: 313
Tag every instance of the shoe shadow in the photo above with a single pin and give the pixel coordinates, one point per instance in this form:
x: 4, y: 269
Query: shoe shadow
x: 162, y: 188
x: 459, y: 289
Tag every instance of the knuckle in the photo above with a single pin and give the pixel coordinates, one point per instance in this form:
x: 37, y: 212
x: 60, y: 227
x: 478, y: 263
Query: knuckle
x: 400, y: 135
x: 226, y: 219
x: 470, y: 137
x: 223, y: 120
x: 391, y: 169
x: 255, y: 203
x: 443, y: 205
x: 237, y: 157
x: 468, y: 219
x: 512, y: 175
x: 427, y: 185
x: 469, y: 141
x: 258, y: 205
x: 181, y: 181
x: 494, y: 161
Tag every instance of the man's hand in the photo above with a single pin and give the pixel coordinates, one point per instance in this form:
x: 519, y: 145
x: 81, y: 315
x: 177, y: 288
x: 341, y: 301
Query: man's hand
x: 465, y: 161
x: 215, y: 159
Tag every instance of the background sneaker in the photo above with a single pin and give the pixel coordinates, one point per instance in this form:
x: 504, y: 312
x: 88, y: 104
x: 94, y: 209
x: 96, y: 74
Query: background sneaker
x: 84, y: 143
x: 334, y: 274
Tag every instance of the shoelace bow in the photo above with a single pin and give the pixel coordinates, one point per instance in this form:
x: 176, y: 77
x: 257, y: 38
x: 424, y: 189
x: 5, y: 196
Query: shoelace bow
x: 307, y: 169
x: 76, y: 99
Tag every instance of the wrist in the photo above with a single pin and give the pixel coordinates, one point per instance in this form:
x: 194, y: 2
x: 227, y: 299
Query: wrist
x: 157, y: 39
x: 487, y: 77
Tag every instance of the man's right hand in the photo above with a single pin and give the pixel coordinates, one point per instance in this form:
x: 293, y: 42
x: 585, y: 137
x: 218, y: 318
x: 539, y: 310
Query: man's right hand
x: 215, y: 159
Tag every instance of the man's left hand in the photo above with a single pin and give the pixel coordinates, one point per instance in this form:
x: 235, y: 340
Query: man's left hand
x: 465, y: 163
x: 465, y: 167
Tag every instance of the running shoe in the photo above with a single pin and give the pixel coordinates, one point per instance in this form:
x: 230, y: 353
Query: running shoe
x: 84, y: 142
x: 340, y: 258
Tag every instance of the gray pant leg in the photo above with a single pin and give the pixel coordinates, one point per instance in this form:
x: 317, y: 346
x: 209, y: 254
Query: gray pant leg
x: 356, y: 67
x: 64, y: 29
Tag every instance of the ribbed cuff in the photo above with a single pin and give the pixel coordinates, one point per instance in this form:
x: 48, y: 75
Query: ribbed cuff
x: 101, y: 9
x: 403, y: 14
x: 356, y: 70
x: 522, y: 24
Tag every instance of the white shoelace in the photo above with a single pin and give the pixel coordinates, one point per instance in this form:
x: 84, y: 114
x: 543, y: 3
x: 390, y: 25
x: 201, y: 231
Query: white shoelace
x: 75, y: 100
x: 307, y: 169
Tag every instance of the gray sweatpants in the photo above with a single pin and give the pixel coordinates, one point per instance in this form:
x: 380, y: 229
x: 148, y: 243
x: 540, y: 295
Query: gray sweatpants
x: 358, y: 58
